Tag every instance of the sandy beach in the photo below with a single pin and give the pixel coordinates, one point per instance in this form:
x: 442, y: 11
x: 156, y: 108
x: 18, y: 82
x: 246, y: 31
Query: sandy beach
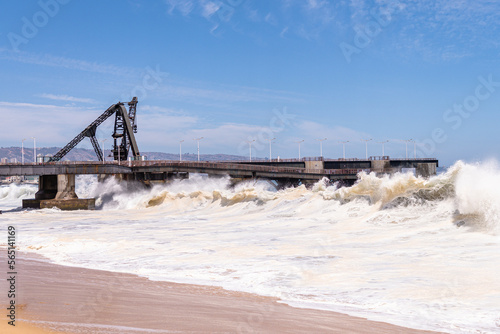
x: 60, y: 299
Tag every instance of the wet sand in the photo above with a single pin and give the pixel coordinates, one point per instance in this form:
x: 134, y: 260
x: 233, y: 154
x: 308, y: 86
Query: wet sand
x: 76, y: 300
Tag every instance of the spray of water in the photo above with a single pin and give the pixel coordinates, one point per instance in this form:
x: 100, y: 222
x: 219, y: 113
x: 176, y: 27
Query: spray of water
x: 475, y: 189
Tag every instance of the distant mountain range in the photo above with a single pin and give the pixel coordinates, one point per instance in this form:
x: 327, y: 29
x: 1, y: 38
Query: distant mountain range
x: 82, y: 154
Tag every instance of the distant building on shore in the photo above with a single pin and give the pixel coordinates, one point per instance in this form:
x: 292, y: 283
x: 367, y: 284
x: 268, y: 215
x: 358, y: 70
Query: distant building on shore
x: 31, y: 179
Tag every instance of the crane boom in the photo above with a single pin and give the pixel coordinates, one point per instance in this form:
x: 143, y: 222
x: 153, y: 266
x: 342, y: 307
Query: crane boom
x: 90, y: 131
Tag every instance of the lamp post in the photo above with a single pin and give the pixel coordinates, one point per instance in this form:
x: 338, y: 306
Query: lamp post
x: 270, y: 152
x: 180, y: 149
x: 34, y: 149
x: 366, y: 147
x: 406, y: 143
x: 103, y: 150
x: 298, y: 142
x: 383, y: 143
x: 321, y: 146
x: 198, y: 142
x: 22, y: 150
x: 250, y: 145
x: 343, y: 147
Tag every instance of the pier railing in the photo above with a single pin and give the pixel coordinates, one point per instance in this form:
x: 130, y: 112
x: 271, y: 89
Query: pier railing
x: 243, y: 167
x: 126, y: 162
x: 222, y: 166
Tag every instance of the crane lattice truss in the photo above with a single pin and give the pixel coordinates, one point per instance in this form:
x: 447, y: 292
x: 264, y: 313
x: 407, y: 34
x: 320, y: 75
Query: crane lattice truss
x: 125, y: 127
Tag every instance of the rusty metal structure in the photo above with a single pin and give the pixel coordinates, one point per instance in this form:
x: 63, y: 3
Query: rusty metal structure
x: 123, y: 134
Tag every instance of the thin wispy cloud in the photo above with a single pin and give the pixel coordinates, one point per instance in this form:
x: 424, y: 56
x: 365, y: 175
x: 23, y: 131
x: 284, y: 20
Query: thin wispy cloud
x: 358, y: 10
x: 178, y: 90
x: 214, y: 12
x: 321, y: 14
x: 283, y: 32
x: 157, y: 119
x: 205, y: 8
x: 434, y: 30
x: 185, y: 7
x: 324, y: 11
x: 203, y: 93
x: 313, y: 130
x: 313, y: 4
x: 271, y: 19
x: 66, y: 98
x: 64, y: 62
x: 209, y: 8
x: 5, y: 104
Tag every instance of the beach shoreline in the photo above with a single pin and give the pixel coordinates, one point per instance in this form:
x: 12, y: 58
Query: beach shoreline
x: 75, y: 300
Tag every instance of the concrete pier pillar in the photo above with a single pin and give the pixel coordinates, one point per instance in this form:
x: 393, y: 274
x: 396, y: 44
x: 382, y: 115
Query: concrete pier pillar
x: 66, y: 186
x: 47, y: 187
x: 102, y: 177
x: 58, y: 191
x: 426, y: 169
x: 381, y: 166
x: 314, y: 164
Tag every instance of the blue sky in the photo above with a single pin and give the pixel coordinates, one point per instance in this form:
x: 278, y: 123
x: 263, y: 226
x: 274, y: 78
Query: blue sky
x: 239, y: 70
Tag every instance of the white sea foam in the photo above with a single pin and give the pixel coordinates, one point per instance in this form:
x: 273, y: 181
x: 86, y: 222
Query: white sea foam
x: 11, y: 195
x: 402, y: 249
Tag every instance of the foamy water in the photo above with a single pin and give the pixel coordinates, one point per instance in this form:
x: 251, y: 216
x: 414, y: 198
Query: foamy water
x: 405, y: 250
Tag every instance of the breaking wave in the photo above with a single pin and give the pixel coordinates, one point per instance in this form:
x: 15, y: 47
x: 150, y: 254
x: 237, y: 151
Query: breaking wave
x: 15, y: 191
x: 11, y: 195
x: 474, y: 189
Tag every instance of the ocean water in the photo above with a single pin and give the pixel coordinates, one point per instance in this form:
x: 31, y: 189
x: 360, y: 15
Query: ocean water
x: 421, y: 253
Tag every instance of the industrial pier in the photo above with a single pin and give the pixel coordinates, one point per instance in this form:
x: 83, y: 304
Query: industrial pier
x: 56, y: 186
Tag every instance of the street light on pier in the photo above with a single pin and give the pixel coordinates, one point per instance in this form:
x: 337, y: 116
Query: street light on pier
x: 414, y: 149
x: 321, y: 146
x: 198, y: 142
x: 383, y: 143
x: 22, y: 150
x: 406, y: 143
x: 298, y: 142
x: 270, y: 152
x: 34, y: 149
x: 366, y: 147
x: 103, y: 150
x: 250, y: 145
x: 343, y: 147
x: 180, y: 149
